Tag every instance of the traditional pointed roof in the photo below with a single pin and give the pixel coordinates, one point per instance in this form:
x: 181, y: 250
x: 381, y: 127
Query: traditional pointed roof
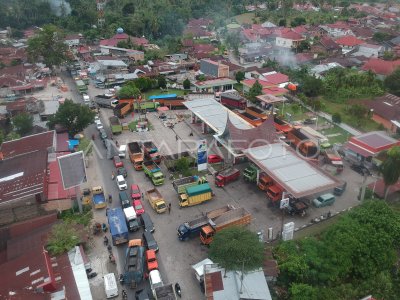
x: 241, y: 139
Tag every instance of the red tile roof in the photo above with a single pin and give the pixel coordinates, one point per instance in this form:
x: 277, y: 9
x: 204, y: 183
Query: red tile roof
x: 40, y: 141
x: 274, y: 90
x: 380, y: 66
x: 55, y: 189
x: 349, y: 41
x: 276, y: 78
x: 62, y: 142
x: 291, y: 35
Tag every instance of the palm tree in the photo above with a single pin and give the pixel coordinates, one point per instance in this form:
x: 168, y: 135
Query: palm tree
x: 390, y: 168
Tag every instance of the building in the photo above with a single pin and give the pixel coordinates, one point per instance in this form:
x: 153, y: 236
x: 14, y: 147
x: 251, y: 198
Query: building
x: 214, y: 69
x: 233, y: 285
x: 319, y: 70
x: 131, y: 54
x: 214, y: 85
x: 381, y: 67
x: 369, y: 50
x: 267, y: 80
x: 348, y: 43
x: 73, y: 40
x: 337, y: 29
x: 386, y: 111
x: 289, y: 39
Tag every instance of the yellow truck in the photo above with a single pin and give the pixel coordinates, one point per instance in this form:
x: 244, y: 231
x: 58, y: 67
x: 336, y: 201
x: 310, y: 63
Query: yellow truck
x: 99, y: 201
x: 195, y: 194
x: 156, y: 201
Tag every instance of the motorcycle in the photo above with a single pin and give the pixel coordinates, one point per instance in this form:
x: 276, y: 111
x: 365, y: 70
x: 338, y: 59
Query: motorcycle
x: 105, y: 241
x: 89, y: 270
x: 112, y: 258
x: 121, y: 279
x: 109, y: 199
x: 124, y: 294
x: 178, y: 290
x: 104, y: 227
x: 91, y: 275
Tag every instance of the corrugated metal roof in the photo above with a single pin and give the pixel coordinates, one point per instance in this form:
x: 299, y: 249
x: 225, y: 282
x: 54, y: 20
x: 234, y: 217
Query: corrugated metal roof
x: 296, y: 175
x: 78, y: 268
x: 215, y: 114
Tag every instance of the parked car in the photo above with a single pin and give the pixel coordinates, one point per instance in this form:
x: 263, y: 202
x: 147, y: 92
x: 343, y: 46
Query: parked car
x: 121, y: 183
x: 135, y: 192
x: 103, y: 134
x: 324, y: 200
x: 360, y: 170
x: 149, y: 241
x: 138, y: 206
x: 118, y: 162
x: 214, y: 158
x: 147, y: 223
x: 339, y: 190
x: 99, y: 125
x: 122, y: 171
x: 310, y: 121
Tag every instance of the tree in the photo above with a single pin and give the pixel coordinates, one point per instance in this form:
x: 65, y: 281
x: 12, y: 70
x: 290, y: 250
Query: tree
x: 312, y: 86
x: 390, y: 168
x: 73, y: 116
x: 255, y: 91
x: 358, y: 111
x: 12, y: 136
x: 128, y: 90
x: 282, y: 23
x: 144, y: 83
x: 297, y: 21
x: 1, y: 137
x: 186, y: 84
x: 337, y: 118
x: 392, y: 82
x: 23, y: 123
x: 303, y: 45
x: 239, y: 76
x: 162, y: 82
x: 48, y: 44
x: 237, y: 248
x: 63, y: 237
x: 301, y: 291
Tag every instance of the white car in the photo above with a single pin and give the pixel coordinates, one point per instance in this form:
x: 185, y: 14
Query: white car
x: 99, y: 125
x: 86, y: 98
x: 121, y: 183
x: 96, y: 118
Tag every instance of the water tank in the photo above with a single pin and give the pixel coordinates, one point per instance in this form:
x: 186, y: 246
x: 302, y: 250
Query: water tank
x: 120, y: 30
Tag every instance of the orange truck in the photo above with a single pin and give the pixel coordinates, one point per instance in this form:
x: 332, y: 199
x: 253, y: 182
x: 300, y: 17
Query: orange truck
x: 264, y: 182
x: 302, y: 143
x: 274, y: 193
x: 136, y: 155
x: 238, y: 216
x: 256, y: 112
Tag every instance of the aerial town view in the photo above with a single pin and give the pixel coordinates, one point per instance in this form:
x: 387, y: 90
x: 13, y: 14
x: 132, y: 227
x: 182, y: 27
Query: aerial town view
x: 218, y: 150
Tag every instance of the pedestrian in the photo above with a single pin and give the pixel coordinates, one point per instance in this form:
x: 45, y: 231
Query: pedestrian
x: 116, y: 143
x: 169, y: 208
x: 142, y: 196
x: 176, y: 137
x: 112, y: 175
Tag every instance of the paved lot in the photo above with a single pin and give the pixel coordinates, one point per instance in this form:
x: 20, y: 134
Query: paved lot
x: 175, y: 257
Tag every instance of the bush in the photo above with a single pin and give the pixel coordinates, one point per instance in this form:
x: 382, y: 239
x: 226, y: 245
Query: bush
x: 337, y: 118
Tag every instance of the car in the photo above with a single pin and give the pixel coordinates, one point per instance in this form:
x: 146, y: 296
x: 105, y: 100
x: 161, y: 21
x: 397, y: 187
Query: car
x: 135, y: 192
x: 151, y: 260
x: 122, y: 171
x: 124, y: 199
x: 142, y: 295
x: 96, y: 118
x: 103, y: 134
x: 121, y: 183
x: 324, y: 200
x: 138, y: 206
x: 360, y: 170
x: 310, y: 121
x: 214, y: 158
x: 149, y: 241
x: 118, y: 162
x: 99, y: 125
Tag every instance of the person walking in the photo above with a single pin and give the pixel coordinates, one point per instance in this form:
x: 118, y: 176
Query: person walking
x: 176, y: 137
x: 112, y: 175
x: 169, y: 208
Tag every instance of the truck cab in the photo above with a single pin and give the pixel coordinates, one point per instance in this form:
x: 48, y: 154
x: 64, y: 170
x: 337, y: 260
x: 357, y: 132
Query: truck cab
x: 250, y: 173
x: 207, y: 234
x: 264, y: 182
x: 274, y: 193
x: 155, y: 280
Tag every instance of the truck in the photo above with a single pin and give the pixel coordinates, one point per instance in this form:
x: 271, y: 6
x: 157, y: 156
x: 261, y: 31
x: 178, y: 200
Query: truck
x: 264, y: 182
x: 192, y: 228
x: 233, y: 100
x: 151, y: 152
x: 134, y: 263
x: 81, y: 86
x: 135, y: 155
x: 99, y: 201
x: 296, y: 206
x: 106, y: 101
x: 110, y: 285
x: 153, y: 171
x: 223, y: 177
x: 235, y: 217
x: 156, y: 201
x: 199, y: 271
x: 170, y: 161
x: 169, y: 100
x: 250, y: 173
x: 159, y: 290
x: 148, y: 105
x: 181, y: 184
x: 196, y: 194
x: 118, y: 229
x: 131, y: 219
x: 274, y: 193
x: 122, y: 109
x: 151, y: 260
x: 115, y: 125
x: 331, y: 156
x: 302, y: 143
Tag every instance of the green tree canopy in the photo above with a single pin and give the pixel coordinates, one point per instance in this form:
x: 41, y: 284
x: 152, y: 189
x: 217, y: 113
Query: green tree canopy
x: 128, y: 90
x: 74, y: 116
x: 392, y: 82
x: 63, y: 237
x: 337, y: 118
x: 255, y: 91
x: 49, y: 45
x: 239, y: 76
x: 186, y: 84
x: 237, y: 248
x: 161, y: 81
x: 23, y: 123
x: 390, y: 168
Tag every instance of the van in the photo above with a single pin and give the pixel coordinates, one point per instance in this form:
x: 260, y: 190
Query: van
x: 324, y: 200
x: 122, y: 151
x: 155, y: 279
x: 147, y: 223
x: 110, y: 286
x: 124, y: 198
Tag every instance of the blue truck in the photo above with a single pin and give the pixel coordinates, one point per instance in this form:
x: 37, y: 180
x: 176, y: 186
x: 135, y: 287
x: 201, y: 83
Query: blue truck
x: 98, y: 198
x: 118, y: 229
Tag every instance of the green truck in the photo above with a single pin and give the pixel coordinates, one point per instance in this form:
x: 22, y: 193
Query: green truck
x: 250, y: 173
x: 170, y: 161
x: 195, y: 194
x: 81, y: 86
x: 148, y: 105
x: 181, y: 184
x: 115, y: 125
x: 153, y: 171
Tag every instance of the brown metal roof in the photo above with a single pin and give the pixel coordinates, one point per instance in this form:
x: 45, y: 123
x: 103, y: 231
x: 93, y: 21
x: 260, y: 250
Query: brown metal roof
x: 40, y: 141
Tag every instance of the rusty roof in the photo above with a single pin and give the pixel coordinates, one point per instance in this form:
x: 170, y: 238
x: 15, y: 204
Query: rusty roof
x: 30, y: 143
x: 23, y: 175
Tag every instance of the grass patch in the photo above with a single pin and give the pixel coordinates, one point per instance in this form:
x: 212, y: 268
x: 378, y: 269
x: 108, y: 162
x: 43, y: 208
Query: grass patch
x: 246, y: 18
x: 315, y: 230
x: 164, y: 92
x: 73, y: 215
x: 338, y: 139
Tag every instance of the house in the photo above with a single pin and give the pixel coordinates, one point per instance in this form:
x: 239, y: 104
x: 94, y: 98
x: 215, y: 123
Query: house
x: 215, y: 85
x: 288, y: 39
x: 362, y: 32
x: 348, y: 43
x: 386, y: 111
x: 214, y: 69
x: 319, y: 70
x: 73, y: 40
x: 131, y: 54
x: 381, y: 67
x: 369, y: 50
x: 197, y: 28
x: 233, y: 285
x: 267, y: 80
x: 337, y: 29
x: 256, y: 72
x: 328, y: 45
x: 202, y: 50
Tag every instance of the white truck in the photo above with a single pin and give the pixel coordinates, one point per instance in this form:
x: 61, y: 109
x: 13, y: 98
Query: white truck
x: 131, y: 218
x: 110, y: 286
x: 122, y: 151
x: 161, y: 291
x: 199, y: 270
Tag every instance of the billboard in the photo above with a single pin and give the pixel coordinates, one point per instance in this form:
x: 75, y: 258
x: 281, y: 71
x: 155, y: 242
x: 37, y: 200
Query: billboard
x: 202, y: 155
x: 73, y: 170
